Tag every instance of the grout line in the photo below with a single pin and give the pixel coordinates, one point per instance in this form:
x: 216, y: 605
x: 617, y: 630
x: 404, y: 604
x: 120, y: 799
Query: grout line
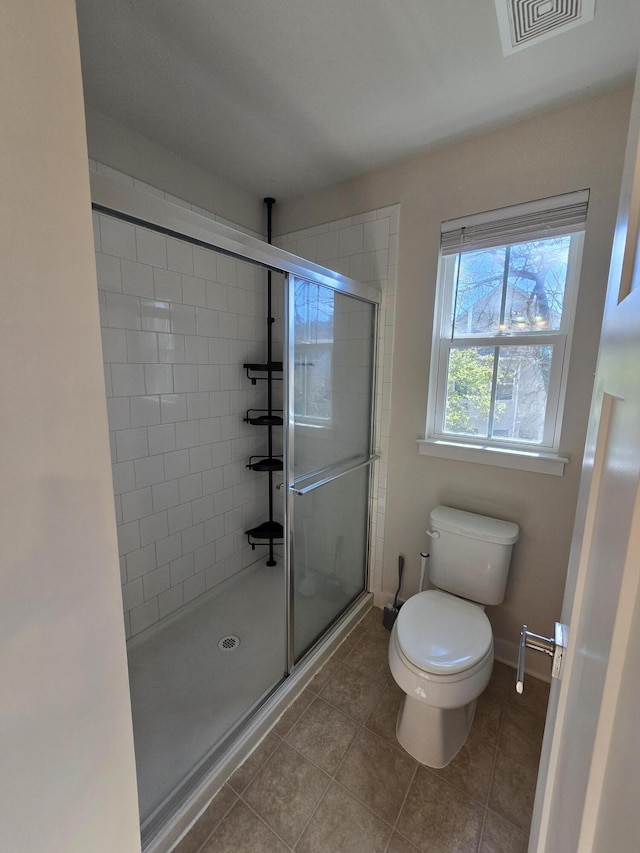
x: 342, y: 711
x: 474, y: 799
x: 262, y: 820
x: 347, y: 751
x: 314, y: 810
x: 484, y: 820
x: 493, y: 769
x: 404, y: 800
x: 361, y: 727
x: 260, y: 766
x: 362, y: 803
x: 310, y: 760
x: 201, y: 848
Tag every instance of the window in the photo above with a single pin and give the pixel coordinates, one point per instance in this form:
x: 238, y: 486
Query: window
x: 507, y: 286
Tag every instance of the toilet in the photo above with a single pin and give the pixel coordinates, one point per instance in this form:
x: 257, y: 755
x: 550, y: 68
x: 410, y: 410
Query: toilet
x: 441, y: 646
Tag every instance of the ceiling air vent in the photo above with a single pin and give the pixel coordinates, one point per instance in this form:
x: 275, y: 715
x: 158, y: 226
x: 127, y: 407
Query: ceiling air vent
x: 525, y: 22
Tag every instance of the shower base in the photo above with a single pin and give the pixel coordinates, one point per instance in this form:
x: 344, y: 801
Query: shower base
x: 190, y: 685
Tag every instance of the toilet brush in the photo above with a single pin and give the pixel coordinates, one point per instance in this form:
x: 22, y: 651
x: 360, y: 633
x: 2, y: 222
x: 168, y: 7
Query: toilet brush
x: 390, y: 612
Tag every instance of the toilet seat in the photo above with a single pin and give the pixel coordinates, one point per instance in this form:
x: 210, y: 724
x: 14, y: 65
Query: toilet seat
x: 442, y: 634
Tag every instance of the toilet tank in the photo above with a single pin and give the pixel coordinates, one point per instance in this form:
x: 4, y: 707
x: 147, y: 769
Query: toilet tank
x: 470, y: 554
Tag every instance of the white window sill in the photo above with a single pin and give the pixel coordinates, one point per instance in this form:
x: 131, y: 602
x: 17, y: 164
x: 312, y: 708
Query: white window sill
x: 521, y: 460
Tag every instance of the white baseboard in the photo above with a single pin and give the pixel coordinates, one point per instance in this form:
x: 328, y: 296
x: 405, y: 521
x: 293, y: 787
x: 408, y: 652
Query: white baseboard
x: 380, y: 598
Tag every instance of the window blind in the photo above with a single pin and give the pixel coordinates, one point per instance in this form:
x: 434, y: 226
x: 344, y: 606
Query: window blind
x: 547, y: 217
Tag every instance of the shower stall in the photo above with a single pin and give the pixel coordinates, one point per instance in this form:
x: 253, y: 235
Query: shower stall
x: 240, y: 389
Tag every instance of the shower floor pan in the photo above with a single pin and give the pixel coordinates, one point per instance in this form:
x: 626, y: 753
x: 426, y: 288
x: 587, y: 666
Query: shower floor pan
x: 190, y: 684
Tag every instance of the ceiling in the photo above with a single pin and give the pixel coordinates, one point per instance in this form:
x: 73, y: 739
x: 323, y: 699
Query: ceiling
x: 281, y: 97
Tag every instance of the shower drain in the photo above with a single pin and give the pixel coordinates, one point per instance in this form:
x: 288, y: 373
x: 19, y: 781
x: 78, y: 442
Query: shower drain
x: 229, y: 643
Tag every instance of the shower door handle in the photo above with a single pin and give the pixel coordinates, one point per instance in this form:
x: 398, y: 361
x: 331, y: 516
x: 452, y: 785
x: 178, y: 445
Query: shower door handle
x: 552, y: 646
x: 330, y: 476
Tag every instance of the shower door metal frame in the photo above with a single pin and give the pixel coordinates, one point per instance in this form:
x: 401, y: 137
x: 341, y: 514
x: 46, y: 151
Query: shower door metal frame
x: 129, y: 204
x: 363, y: 293
x: 122, y: 201
x: 132, y: 205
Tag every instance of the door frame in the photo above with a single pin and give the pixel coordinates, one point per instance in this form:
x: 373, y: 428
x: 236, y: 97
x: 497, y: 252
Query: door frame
x: 623, y: 285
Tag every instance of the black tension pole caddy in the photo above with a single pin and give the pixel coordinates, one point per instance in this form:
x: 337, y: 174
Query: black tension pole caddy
x: 269, y: 531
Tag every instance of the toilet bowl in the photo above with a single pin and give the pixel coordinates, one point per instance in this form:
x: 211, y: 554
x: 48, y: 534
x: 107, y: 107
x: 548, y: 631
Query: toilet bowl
x: 441, y: 656
x: 441, y: 645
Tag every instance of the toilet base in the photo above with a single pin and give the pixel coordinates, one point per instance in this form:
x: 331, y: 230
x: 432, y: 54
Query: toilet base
x: 433, y: 736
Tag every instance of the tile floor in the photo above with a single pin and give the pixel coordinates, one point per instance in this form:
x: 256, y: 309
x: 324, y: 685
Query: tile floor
x: 331, y: 778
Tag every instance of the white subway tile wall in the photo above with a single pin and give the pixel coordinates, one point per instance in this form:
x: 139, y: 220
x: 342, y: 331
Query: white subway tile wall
x: 365, y: 247
x: 175, y: 335
x: 206, y: 311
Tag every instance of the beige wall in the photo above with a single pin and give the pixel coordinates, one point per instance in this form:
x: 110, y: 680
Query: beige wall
x: 568, y: 149
x: 67, y: 770
x: 123, y: 149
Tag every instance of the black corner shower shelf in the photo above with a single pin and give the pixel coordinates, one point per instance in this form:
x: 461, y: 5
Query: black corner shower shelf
x: 268, y: 369
x: 269, y: 463
x: 268, y: 531
x: 267, y: 419
x: 271, y: 367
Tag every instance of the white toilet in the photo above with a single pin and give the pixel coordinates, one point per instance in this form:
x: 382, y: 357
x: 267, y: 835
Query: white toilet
x: 441, y: 646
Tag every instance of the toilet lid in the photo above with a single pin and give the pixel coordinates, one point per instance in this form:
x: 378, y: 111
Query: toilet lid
x: 443, y: 634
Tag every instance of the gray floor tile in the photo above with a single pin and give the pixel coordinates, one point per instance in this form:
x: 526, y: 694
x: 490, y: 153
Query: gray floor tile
x: 399, y: 844
x: 472, y: 767
x: 323, y: 734
x: 535, y: 697
x: 488, y: 717
x: 500, y: 836
x: 437, y: 817
x: 371, y: 657
x: 224, y: 800
x: 378, y: 774
x: 293, y: 713
x: 242, y: 831
x: 341, y: 824
x: 384, y: 717
x: 286, y: 792
x: 349, y: 643
x: 245, y: 773
x: 513, y: 790
x: 521, y: 734
x: 352, y: 692
x: 321, y: 678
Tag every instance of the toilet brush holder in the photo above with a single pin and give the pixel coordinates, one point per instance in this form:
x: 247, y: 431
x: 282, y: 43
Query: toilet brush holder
x: 390, y: 612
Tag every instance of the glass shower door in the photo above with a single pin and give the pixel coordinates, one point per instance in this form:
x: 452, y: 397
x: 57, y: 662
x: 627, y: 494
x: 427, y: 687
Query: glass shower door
x: 331, y: 362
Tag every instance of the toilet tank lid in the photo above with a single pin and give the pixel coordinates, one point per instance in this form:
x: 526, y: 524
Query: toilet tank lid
x: 474, y: 526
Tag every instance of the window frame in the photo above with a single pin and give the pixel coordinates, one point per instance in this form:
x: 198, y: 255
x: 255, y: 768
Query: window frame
x: 436, y: 439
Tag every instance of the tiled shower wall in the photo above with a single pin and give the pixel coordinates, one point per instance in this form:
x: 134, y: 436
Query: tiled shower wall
x: 365, y: 247
x: 163, y: 567
x: 178, y: 322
